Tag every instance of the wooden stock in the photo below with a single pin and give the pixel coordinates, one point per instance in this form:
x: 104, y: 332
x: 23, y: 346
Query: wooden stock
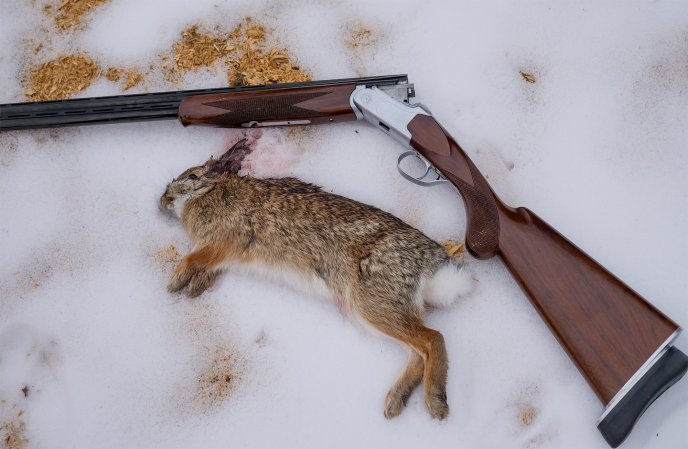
x: 608, y: 330
x: 305, y: 105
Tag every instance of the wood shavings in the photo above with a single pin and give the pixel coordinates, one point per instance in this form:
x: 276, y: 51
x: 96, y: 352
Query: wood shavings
x: 70, y: 13
x: 59, y: 78
x: 133, y: 77
x: 196, y: 49
x: 455, y: 250
x: 254, y: 64
x: 114, y: 74
x: 244, y: 50
x: 129, y: 78
x: 528, y: 77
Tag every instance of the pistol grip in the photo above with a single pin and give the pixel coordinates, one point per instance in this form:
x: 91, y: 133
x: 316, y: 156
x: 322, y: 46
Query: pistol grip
x: 437, y: 146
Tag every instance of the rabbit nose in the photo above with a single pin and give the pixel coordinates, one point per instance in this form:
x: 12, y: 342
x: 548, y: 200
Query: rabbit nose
x: 165, y: 202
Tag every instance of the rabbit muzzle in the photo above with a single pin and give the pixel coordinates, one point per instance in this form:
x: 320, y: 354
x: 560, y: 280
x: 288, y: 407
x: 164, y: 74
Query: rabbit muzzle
x: 167, y: 203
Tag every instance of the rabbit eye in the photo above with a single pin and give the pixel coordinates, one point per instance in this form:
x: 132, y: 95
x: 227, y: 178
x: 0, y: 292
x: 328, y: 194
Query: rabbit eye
x: 193, y: 177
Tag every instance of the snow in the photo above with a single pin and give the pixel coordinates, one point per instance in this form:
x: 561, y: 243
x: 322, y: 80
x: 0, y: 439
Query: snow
x: 596, y: 147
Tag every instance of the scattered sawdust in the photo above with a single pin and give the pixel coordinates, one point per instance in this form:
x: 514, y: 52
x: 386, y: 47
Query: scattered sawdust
x: 255, y: 66
x: 69, y: 14
x: 34, y: 276
x: 129, y: 78
x: 362, y: 42
x: 13, y: 433
x: 524, y: 408
x: 220, y: 366
x: 196, y: 49
x: 37, y: 272
x: 167, y: 258
x: 248, y: 58
x: 252, y: 63
x: 359, y: 37
x: 455, y: 249
x: 301, y: 137
x: 216, y: 382
x: 59, y: 78
x: 114, y: 74
x: 526, y: 415
x: 8, y: 148
x: 528, y: 77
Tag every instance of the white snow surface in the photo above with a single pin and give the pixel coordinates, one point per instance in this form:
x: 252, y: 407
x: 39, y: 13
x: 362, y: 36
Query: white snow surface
x: 596, y: 146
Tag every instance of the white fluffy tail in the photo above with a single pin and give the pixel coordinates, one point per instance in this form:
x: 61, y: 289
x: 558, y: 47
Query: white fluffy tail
x: 448, y: 283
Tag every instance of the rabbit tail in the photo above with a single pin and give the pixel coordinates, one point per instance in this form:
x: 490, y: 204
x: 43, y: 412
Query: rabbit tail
x: 449, y: 281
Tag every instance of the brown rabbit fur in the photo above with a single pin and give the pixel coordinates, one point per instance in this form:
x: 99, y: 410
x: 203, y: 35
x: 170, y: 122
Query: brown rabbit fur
x: 382, y: 270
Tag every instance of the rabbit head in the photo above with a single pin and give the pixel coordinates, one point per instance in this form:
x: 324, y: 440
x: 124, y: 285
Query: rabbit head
x: 198, y: 180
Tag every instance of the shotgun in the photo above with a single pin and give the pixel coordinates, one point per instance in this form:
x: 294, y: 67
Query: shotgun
x: 621, y: 344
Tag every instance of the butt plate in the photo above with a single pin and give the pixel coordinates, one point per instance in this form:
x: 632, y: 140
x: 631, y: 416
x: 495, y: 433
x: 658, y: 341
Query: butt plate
x: 620, y: 417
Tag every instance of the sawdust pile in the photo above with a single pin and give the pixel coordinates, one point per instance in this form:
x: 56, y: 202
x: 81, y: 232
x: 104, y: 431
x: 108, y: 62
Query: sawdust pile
x: 249, y: 59
x: 13, y: 434
x: 60, y: 78
x: 196, y: 49
x: 69, y: 14
x: 254, y: 64
x: 128, y: 78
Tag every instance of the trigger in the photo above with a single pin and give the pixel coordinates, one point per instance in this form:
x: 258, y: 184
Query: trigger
x: 422, y: 180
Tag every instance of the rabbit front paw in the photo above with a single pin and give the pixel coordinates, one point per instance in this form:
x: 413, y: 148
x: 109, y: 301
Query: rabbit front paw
x: 200, y: 282
x: 179, y: 280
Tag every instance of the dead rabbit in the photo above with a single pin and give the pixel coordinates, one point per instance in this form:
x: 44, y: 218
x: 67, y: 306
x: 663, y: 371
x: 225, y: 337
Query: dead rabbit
x: 378, y: 268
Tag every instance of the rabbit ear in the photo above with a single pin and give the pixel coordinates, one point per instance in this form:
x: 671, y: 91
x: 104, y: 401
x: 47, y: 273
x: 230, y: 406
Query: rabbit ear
x: 230, y: 162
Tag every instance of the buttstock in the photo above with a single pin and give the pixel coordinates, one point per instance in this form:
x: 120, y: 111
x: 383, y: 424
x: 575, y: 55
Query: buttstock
x: 617, y: 339
x: 257, y: 108
x: 608, y: 329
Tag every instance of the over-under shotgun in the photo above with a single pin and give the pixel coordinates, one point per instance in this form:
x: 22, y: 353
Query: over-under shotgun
x: 620, y: 342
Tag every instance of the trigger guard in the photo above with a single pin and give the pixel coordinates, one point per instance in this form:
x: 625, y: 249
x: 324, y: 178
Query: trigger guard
x: 420, y: 180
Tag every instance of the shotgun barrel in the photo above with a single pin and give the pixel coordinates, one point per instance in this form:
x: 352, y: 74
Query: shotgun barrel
x: 141, y: 107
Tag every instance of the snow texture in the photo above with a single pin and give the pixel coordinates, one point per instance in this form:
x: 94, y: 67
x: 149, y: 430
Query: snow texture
x: 94, y: 353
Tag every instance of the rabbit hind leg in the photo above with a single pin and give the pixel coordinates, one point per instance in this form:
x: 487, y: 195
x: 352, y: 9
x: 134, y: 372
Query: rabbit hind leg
x: 409, y: 379
x: 408, y: 329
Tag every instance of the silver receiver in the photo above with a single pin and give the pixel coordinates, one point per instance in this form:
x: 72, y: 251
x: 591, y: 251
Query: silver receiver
x: 390, y: 111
